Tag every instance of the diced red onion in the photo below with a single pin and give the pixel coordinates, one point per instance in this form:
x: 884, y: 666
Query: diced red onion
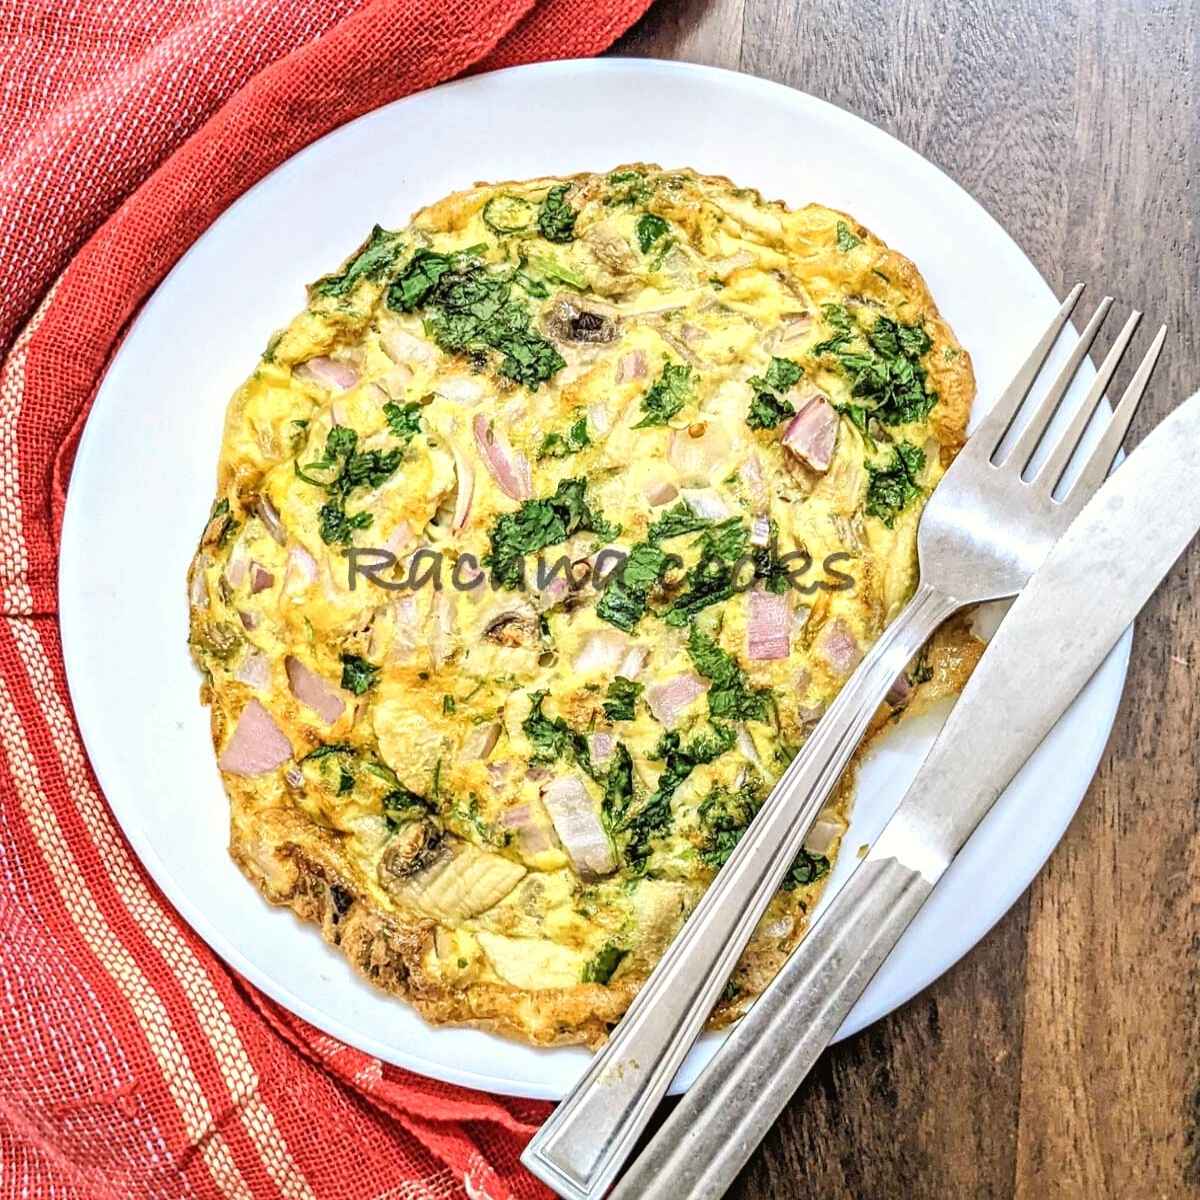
x: 660, y: 491
x: 602, y: 651
x: 268, y: 515
x: 722, y: 267
x: 404, y: 347
x: 258, y: 745
x: 235, y: 568
x: 760, y: 531
x: 838, y: 646
x: 668, y: 700
x: 442, y: 641
x: 198, y: 584
x: 900, y: 691
x: 631, y: 366
x: 578, y: 826
x: 294, y: 776
x: 793, y: 327
x: 254, y: 669
x: 825, y: 831
x: 301, y: 567
x: 767, y: 632
x: 633, y: 662
x: 811, y: 434
x: 400, y: 537
x: 465, y: 474
x: 531, y: 837
x: 310, y: 689
x: 260, y: 578
x: 751, y: 474
x: 480, y: 742
x: 509, y: 469
x: 705, y: 502
x: 328, y: 372
x: 599, y: 420
x: 601, y: 746
x: 696, y: 455
x: 405, y: 629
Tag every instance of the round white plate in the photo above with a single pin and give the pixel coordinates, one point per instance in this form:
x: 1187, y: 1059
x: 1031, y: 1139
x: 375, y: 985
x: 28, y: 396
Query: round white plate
x: 144, y: 478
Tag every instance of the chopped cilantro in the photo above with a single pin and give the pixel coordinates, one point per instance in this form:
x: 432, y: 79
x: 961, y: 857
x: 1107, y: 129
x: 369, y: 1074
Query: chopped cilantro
x: 558, y: 445
x: 769, y: 407
x: 730, y: 697
x: 621, y: 697
x: 783, y: 373
x: 627, y: 187
x: 676, y: 521
x: 553, y: 738
x: 845, y: 239
x: 470, y: 310
x: 624, y: 601
x: 538, y: 524
x: 715, y: 576
x: 342, y: 469
x: 649, y: 229
x: 371, y: 262
x: 404, y: 422
x: 838, y: 320
x: 449, y: 705
x: 767, y: 411
x: 892, y: 486
x: 358, y: 675
x: 556, y: 218
x: 667, y: 395
x: 600, y: 968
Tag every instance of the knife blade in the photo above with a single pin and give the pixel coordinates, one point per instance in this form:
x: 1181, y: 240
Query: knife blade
x: 1061, y: 627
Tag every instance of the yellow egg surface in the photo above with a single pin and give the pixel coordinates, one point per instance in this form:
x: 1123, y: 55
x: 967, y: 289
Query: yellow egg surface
x: 542, y: 538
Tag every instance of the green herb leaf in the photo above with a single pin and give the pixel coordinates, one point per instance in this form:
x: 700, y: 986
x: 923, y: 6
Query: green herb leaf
x: 667, y: 395
x: 404, y: 422
x: 600, y: 968
x: 890, y: 487
x: 676, y: 521
x: 557, y: 445
x: 371, y: 263
x: 553, y: 738
x: 730, y: 697
x: 621, y: 698
x: 769, y: 408
x: 714, y: 578
x: 358, y: 675
x: 624, y: 601
x: 538, y: 524
x: 768, y: 411
x: 649, y: 229
x: 556, y: 218
x: 845, y: 239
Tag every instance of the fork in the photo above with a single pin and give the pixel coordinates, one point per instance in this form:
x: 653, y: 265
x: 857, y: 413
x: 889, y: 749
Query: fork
x: 984, y: 531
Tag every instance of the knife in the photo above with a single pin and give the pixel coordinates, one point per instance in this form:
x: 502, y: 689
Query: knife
x: 1101, y: 573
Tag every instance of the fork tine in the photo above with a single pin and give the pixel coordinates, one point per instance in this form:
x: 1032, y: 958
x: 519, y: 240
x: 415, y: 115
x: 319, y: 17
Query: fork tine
x: 1052, y: 471
x: 1096, y: 470
x: 1022, y: 452
x: 995, y: 425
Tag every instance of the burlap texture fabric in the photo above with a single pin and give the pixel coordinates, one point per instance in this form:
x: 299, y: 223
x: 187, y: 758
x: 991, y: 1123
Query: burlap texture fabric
x: 133, y: 1063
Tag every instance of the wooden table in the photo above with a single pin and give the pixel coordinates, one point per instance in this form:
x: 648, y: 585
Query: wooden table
x: 1062, y: 1056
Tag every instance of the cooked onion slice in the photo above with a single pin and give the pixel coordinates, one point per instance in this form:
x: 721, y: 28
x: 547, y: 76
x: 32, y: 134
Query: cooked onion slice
x: 767, y: 631
x: 328, y: 372
x: 811, y: 434
x: 258, y: 745
x: 578, y: 826
x: 509, y: 469
x: 309, y: 688
x: 668, y: 700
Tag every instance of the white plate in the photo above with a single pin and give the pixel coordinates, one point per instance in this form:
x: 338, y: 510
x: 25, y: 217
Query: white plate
x: 144, y: 478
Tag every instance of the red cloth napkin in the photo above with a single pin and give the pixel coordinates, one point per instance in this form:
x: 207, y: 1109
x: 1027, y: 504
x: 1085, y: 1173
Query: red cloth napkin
x: 132, y: 1062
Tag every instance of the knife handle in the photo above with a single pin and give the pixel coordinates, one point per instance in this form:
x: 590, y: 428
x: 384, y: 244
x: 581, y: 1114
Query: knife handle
x: 580, y: 1149
x: 699, y: 1150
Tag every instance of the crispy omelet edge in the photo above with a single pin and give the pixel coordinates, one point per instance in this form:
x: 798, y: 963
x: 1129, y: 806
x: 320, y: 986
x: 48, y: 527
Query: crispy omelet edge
x: 295, y: 863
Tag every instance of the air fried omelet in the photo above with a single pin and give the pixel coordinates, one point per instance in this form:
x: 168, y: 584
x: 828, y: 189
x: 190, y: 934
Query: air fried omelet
x: 542, y: 538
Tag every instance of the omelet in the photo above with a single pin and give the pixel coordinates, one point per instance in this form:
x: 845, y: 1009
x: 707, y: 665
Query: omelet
x: 542, y: 538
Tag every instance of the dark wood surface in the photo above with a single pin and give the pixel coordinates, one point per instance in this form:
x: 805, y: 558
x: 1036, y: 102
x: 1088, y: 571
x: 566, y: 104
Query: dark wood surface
x: 1061, y: 1058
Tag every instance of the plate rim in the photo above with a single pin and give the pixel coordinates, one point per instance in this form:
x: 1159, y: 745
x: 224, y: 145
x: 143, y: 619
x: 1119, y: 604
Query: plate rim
x: 70, y: 563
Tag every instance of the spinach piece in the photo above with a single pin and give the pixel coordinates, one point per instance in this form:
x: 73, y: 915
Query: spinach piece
x: 470, y: 310
x: 667, y: 395
x: 624, y: 601
x: 649, y: 229
x: 627, y: 187
x: 538, y: 524
x: 358, y: 675
x: 838, y: 320
x: 600, y: 968
x: 621, y: 698
x: 402, y: 805
x: 618, y: 789
x: 556, y: 218
x: 769, y: 407
x: 552, y: 269
x: 343, y: 468
x: 449, y: 705
x: 890, y: 487
x: 767, y: 565
x: 714, y: 577
x: 558, y: 445
x: 730, y: 697
x: 725, y: 815
x: 404, y: 422
x: 845, y: 239
x: 676, y: 521
x: 553, y: 738
x: 378, y: 253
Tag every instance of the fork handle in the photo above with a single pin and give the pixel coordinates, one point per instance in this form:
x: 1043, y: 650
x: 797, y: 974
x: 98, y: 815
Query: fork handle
x: 701, y: 1147
x: 582, y: 1146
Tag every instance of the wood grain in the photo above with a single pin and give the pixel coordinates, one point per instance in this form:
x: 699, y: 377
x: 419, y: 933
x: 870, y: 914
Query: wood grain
x: 1061, y: 1058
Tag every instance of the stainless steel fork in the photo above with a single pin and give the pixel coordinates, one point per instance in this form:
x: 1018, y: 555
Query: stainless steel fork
x: 984, y: 531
